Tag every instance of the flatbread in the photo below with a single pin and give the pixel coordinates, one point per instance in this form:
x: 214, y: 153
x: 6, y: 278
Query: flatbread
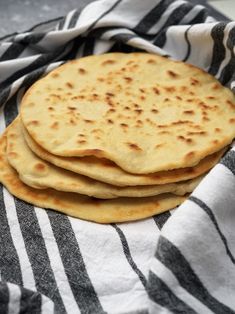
x: 40, y: 174
x: 144, y: 112
x: 106, y: 171
x: 102, y: 211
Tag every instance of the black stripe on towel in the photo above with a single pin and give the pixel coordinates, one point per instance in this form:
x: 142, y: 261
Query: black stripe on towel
x: 152, y: 17
x: 4, y: 298
x: 37, y: 253
x: 209, y: 212
x: 10, y: 269
x: 74, y: 266
x: 167, y: 253
x: 229, y: 161
x: 228, y: 72
x: 43, y: 60
x: 74, y: 19
x: 188, y: 44
x: 10, y: 109
x: 161, y: 219
x: 88, y: 47
x: 218, y: 54
x: 12, y: 52
x: 200, y: 17
x: 127, y: 253
x: 161, y: 294
x: 174, y: 18
x: 30, y: 302
x: 4, y: 94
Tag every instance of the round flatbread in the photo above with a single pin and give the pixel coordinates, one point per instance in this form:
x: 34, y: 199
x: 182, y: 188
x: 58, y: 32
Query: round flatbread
x: 84, y: 207
x: 40, y: 174
x: 106, y: 171
x: 144, y: 112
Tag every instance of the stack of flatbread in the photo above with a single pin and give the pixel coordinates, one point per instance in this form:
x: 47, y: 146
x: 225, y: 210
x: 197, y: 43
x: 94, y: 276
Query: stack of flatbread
x: 116, y: 137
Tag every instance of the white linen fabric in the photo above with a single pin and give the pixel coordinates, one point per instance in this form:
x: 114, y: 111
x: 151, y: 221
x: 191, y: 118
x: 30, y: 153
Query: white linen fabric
x: 182, y: 261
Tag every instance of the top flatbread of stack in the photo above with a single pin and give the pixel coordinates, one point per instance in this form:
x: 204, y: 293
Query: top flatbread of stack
x: 144, y: 112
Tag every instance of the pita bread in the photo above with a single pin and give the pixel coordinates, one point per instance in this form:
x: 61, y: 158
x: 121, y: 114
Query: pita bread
x: 144, y: 112
x: 40, y: 174
x: 106, y: 171
x: 80, y: 206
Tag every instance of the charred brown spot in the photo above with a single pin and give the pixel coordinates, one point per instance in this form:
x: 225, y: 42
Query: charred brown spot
x: 163, y: 132
x: 111, y: 110
x: 108, y: 62
x: 181, y: 122
x: 194, y: 81
x: 183, y: 88
x: 81, y: 141
x: 156, y: 90
x: 181, y: 137
x: 81, y: 135
x: 172, y: 74
x: 100, y: 79
x: 210, y: 97
x: 55, y: 75
x: 134, y: 146
x: 13, y: 155
x: 197, y: 133
x: 69, y: 85
x: 216, y: 86
x: 189, y: 100
x: 218, y: 130
x: 51, y: 108
x: 154, y: 111
x: 232, y: 106
x: 81, y: 71
x: 55, y: 96
x: 40, y: 166
x: 205, y: 118
x: 189, y: 155
x: 139, y: 122
x: 166, y: 99
x: 203, y: 105
x: 178, y: 97
x: 161, y: 126
x: 110, y: 94
x: 142, y: 98
x: 138, y: 111
x: 127, y: 108
x: 124, y: 125
x: 136, y: 106
x: 189, y: 112
x: 141, y: 90
x: 232, y: 120
x: 159, y: 145
x: 71, y: 108
x: 72, y: 121
x: 88, y: 121
x: 169, y: 89
x: 215, y: 142
x: 55, y: 125
x: 151, y: 61
x: 128, y: 79
x: 33, y: 122
x: 110, y: 121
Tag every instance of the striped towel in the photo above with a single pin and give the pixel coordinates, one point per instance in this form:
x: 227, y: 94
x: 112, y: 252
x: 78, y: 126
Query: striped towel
x: 51, y: 263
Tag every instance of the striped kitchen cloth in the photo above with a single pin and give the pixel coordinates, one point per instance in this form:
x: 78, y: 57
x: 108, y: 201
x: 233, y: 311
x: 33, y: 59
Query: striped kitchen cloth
x: 51, y: 263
